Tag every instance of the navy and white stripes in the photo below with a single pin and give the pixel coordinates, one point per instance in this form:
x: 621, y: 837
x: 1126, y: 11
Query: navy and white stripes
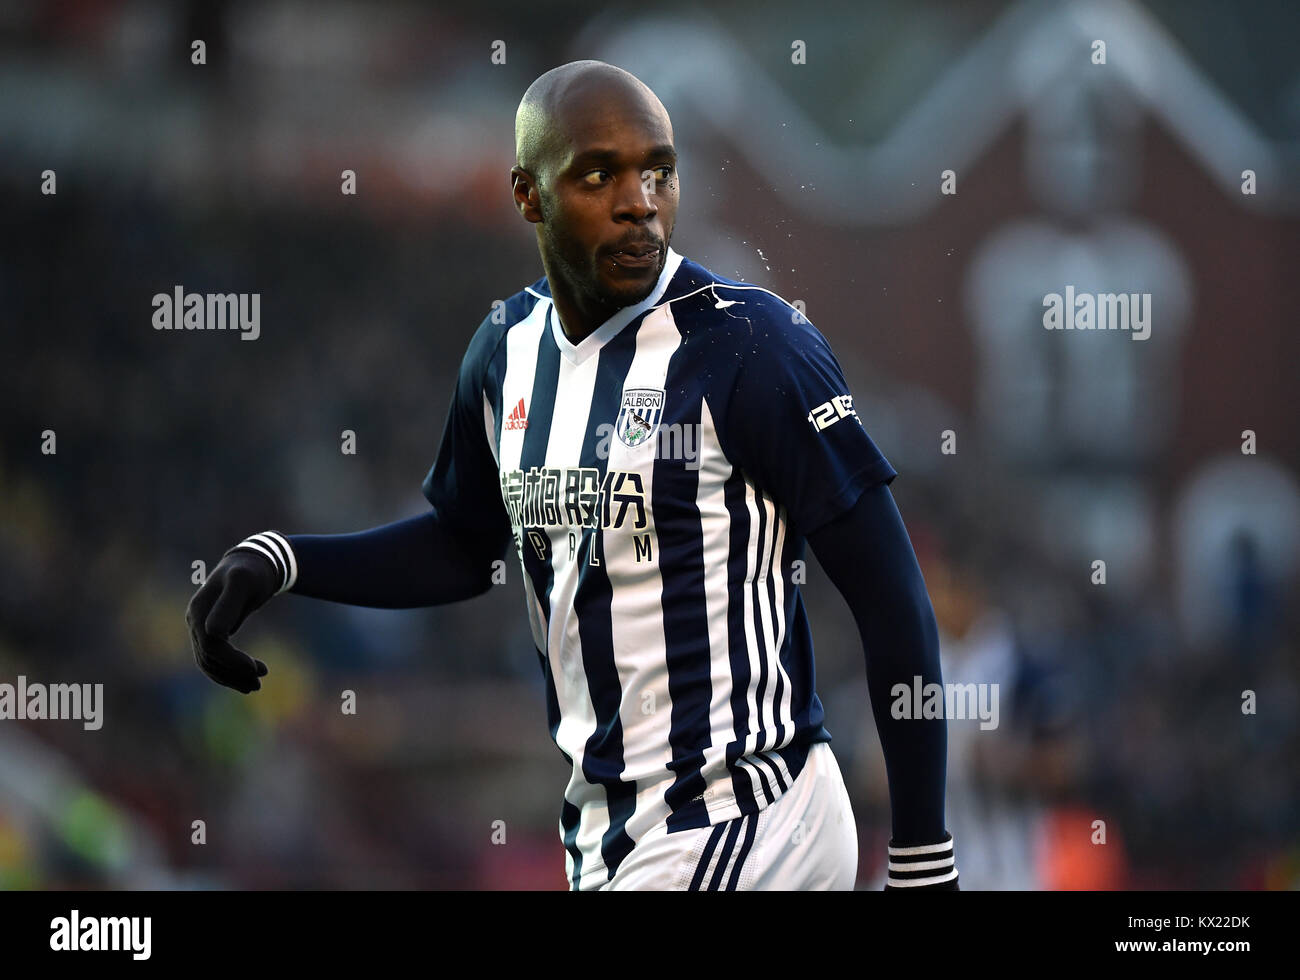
x: 659, y: 573
x: 275, y: 548
x: 922, y: 866
x: 719, y: 867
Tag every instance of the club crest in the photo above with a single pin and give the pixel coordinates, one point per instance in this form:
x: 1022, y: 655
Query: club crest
x: 638, y: 418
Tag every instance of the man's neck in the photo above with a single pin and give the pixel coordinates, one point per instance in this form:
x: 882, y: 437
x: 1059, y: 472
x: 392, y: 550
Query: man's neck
x: 578, y: 320
x: 578, y: 324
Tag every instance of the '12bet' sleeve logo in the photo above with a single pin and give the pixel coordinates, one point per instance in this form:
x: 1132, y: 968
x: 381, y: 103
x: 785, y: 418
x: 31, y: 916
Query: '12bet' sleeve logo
x: 830, y: 412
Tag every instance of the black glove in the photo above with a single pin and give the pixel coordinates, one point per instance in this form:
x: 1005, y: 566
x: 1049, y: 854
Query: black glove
x: 245, y: 578
x: 922, y: 868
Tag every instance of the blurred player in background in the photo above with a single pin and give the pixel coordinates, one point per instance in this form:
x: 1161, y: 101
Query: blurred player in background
x: 660, y: 444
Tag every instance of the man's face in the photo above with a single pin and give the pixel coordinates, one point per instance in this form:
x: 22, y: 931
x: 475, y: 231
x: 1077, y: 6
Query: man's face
x: 609, y: 206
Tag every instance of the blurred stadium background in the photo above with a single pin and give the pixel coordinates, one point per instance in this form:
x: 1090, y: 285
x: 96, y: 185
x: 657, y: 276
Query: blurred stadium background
x: 1119, y: 702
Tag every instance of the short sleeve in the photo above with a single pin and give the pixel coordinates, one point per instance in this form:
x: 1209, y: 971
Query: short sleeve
x: 463, y: 484
x: 793, y: 428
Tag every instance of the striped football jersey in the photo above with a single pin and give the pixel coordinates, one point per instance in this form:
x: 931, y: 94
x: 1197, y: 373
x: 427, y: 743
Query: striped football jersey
x: 658, y: 480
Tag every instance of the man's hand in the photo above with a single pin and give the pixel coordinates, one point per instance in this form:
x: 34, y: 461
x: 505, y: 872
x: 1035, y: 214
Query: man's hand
x: 242, y: 581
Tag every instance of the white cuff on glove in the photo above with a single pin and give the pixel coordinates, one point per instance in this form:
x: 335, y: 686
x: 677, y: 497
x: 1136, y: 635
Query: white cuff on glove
x: 275, y: 546
x: 922, y: 866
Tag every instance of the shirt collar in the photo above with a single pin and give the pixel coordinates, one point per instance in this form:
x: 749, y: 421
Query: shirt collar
x: 598, y: 338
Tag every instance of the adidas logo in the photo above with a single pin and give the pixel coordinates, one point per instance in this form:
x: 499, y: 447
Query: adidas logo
x: 517, y: 419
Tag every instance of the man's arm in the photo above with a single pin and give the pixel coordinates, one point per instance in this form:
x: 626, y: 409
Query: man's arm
x: 443, y: 555
x: 791, y: 425
x: 419, y: 561
x: 414, y: 562
x: 869, y: 557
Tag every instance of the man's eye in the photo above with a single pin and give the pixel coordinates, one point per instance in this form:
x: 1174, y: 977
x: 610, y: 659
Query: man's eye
x: 596, y: 177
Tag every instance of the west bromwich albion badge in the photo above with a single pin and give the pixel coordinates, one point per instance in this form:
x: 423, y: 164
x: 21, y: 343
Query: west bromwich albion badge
x: 638, y: 418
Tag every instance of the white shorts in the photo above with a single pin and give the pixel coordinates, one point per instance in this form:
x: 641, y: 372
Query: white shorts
x: 806, y: 841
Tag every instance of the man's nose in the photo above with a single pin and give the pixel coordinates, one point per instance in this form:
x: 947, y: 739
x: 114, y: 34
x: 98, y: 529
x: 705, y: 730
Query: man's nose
x: 635, y: 201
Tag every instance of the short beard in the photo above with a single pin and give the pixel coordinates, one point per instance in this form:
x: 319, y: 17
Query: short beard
x: 579, y: 274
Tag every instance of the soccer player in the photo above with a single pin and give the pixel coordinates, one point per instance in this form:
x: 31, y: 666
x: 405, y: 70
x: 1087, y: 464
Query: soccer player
x: 659, y: 443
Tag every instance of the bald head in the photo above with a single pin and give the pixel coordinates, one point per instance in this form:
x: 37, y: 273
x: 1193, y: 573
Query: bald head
x: 596, y: 175
x: 567, y: 96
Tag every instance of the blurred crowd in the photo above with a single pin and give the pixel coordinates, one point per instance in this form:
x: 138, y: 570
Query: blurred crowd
x: 1129, y: 751
x: 170, y: 449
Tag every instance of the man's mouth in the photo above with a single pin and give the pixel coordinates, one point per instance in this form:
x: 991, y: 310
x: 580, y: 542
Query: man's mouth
x: 636, y: 256
x: 639, y: 251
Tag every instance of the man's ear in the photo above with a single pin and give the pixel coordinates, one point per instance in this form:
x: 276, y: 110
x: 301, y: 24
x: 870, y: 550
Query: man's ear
x: 527, y: 199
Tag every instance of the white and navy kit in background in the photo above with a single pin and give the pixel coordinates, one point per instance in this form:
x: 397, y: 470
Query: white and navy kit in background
x: 658, y: 479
